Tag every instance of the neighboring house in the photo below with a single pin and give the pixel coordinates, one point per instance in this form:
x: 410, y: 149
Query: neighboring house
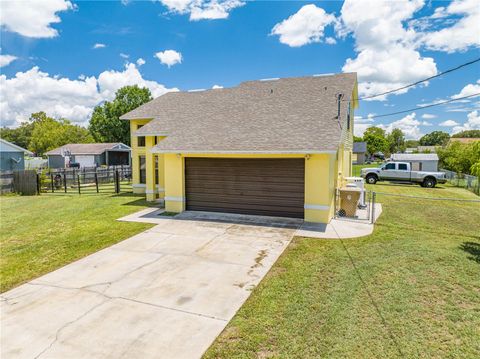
x: 419, y: 161
x: 89, y: 155
x: 12, y: 156
x: 464, y: 140
x: 422, y: 149
x: 359, y: 152
x: 274, y: 147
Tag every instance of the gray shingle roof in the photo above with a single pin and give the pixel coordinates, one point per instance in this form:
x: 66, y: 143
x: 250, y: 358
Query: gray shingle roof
x: 415, y: 157
x: 296, y: 115
x: 85, y: 148
x: 359, y: 147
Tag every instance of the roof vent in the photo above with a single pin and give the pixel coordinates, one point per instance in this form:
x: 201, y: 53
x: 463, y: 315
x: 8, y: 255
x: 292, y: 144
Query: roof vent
x: 270, y: 79
x: 196, y: 90
x: 322, y: 75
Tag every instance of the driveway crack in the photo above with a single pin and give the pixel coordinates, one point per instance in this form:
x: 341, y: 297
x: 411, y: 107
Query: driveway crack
x: 66, y: 325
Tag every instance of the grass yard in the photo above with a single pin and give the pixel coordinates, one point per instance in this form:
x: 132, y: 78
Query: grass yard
x: 409, y: 290
x: 41, y: 233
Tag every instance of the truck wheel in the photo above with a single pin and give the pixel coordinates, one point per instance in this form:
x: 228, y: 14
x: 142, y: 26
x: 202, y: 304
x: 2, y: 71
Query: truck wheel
x: 429, y: 182
x: 371, y: 179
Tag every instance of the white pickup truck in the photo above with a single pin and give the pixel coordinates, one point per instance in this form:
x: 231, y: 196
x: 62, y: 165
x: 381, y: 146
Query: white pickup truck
x: 402, y: 172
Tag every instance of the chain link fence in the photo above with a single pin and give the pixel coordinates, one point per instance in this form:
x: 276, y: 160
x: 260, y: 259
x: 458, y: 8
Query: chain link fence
x: 352, y: 204
x: 463, y: 180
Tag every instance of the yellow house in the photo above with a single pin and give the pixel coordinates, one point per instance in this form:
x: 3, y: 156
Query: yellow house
x: 275, y: 147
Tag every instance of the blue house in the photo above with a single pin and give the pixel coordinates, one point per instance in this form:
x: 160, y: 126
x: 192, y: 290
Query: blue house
x: 12, y: 156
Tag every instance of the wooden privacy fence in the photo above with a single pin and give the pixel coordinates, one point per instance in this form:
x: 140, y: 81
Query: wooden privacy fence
x: 22, y: 182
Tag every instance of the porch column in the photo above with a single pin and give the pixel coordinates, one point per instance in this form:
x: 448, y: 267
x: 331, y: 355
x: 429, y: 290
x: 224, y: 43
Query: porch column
x: 161, y: 176
x: 174, y: 173
x: 150, y: 168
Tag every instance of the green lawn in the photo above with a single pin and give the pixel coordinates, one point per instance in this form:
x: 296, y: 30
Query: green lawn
x: 41, y: 233
x: 409, y: 290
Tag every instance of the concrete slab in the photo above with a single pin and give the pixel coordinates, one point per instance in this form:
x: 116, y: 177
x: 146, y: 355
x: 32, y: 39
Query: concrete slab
x: 125, y: 329
x: 339, y: 228
x: 164, y: 293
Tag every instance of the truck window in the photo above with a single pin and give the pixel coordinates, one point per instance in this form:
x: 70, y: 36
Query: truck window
x: 402, y: 166
x: 390, y: 166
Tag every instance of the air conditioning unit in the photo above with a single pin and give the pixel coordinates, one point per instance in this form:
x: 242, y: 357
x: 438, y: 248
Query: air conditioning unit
x: 360, y: 183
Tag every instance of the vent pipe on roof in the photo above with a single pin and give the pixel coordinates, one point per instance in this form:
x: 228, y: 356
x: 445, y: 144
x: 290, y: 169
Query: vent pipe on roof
x: 339, y: 100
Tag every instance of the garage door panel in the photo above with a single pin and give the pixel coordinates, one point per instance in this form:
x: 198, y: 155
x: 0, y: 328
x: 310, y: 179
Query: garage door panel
x: 272, y: 187
x: 245, y: 192
x: 253, y: 200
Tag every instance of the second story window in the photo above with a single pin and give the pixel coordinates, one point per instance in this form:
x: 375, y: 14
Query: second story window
x: 140, y: 139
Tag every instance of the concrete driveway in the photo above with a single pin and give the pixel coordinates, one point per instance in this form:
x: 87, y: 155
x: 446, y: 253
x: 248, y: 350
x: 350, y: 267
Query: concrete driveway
x: 164, y: 293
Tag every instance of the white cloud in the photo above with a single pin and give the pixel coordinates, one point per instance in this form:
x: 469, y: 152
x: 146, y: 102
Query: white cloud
x: 33, y: 18
x: 361, y: 124
x: 428, y: 116
x: 169, y: 57
x: 6, y: 60
x: 99, y: 46
x: 304, y: 27
x: 124, y: 56
x: 111, y: 81
x: 330, y: 40
x: 217, y: 87
x: 140, y: 62
x: 202, y: 9
x: 426, y: 123
x: 408, y: 124
x: 464, y: 32
x: 34, y: 90
x: 473, y: 123
x: 448, y: 123
x: 468, y: 90
x: 387, y: 55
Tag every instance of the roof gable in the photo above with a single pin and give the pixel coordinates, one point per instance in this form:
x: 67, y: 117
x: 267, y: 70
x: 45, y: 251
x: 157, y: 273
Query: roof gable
x: 6, y: 146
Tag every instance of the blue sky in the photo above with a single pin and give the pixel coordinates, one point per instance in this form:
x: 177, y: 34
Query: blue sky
x: 50, y: 61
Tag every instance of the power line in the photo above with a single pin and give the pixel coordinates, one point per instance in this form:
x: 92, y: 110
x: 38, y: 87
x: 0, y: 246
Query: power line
x: 419, y: 82
x: 426, y: 106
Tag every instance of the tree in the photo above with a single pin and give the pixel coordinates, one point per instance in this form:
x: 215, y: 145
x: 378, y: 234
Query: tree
x: 19, y: 136
x: 396, y: 141
x: 411, y: 143
x: 375, y: 139
x: 357, y: 139
x: 435, y: 138
x: 49, y: 133
x: 460, y: 157
x: 106, y: 126
x: 468, y: 134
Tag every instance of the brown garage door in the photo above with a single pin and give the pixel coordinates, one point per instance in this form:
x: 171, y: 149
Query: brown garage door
x: 270, y: 187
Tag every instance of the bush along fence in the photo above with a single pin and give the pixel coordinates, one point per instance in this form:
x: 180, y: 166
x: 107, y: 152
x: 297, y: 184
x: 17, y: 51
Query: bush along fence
x: 114, y: 179
x: 463, y: 180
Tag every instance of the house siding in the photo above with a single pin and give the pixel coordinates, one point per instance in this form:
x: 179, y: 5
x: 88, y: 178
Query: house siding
x: 7, y: 164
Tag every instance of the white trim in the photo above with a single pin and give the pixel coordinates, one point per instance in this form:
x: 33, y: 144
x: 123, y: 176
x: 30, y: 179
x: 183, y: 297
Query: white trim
x: 150, y: 191
x: 150, y: 134
x: 139, y: 185
x: 187, y: 152
x: 319, y: 207
x: 159, y: 189
x: 174, y: 199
